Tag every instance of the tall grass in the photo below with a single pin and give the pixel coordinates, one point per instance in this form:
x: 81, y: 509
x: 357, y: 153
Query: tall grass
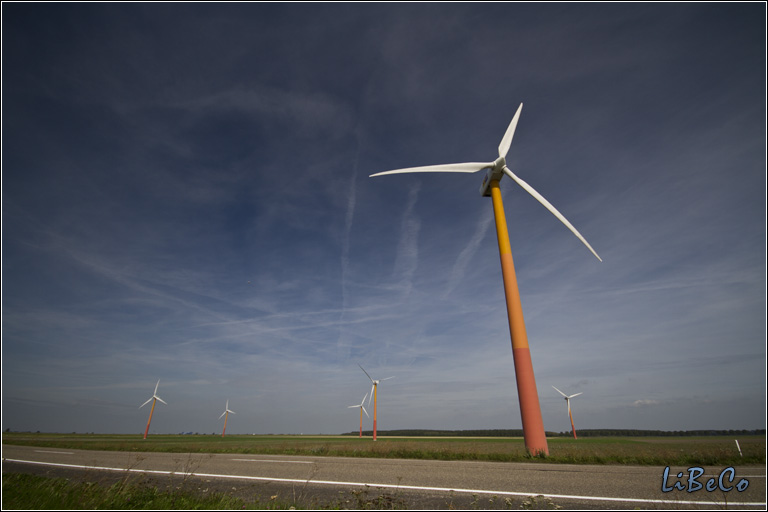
x: 25, y: 492
x: 33, y: 492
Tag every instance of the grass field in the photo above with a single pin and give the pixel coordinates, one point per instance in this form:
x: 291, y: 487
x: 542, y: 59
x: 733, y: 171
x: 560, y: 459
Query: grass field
x: 32, y: 492
x: 712, y: 450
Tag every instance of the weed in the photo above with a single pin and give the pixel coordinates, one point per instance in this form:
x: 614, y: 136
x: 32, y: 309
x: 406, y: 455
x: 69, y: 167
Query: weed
x: 361, y: 499
x: 539, y: 503
x: 450, y: 500
x: 300, y: 497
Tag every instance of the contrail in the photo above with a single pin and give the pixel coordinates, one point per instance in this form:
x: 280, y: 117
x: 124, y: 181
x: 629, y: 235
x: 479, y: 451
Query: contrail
x: 468, y: 253
x: 345, y: 244
x: 407, y: 259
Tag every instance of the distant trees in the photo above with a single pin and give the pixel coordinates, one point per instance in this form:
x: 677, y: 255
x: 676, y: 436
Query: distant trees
x: 582, y: 433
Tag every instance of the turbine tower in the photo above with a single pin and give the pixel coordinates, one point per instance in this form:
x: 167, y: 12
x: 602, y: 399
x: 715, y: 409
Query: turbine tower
x: 225, y: 414
x: 154, y: 400
x: 374, y: 389
x: 568, y: 401
x: 530, y: 410
x: 362, y: 410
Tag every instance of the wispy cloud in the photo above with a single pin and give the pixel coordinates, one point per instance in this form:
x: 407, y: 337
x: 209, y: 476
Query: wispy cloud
x: 307, y: 111
x: 407, y: 256
x: 645, y: 403
x: 468, y: 253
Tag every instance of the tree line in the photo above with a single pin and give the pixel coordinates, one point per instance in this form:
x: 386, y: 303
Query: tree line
x: 603, y: 432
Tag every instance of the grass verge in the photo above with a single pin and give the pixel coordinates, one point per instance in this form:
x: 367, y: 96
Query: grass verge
x: 34, y: 492
x: 657, y: 451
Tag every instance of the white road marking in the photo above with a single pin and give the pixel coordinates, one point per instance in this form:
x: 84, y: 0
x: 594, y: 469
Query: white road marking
x: 393, y: 486
x: 281, y: 461
x: 49, y: 451
x: 740, y: 476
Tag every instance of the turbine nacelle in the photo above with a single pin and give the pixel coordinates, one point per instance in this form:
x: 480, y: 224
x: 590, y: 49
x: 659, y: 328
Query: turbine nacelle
x: 374, y: 383
x: 361, y: 406
x: 154, y: 396
x: 495, y: 173
x: 226, y: 410
x: 567, y: 397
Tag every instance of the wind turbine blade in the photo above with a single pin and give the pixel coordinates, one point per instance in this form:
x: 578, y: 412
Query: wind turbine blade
x: 222, y: 414
x: 156, y: 385
x: 467, y: 167
x: 366, y: 396
x: 145, y: 403
x: 369, y: 398
x: 366, y: 412
x: 566, y: 396
x: 577, y: 394
x: 387, y: 378
x: 161, y: 400
x: 569, y: 406
x: 369, y: 377
x: 507, y: 139
x: 551, y: 208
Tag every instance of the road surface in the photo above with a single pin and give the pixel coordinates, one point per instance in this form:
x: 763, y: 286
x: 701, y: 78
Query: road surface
x: 415, y: 483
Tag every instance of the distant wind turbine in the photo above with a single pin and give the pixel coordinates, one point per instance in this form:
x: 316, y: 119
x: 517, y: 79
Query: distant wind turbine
x: 225, y: 414
x: 374, y: 388
x: 154, y: 399
x: 362, y: 410
x: 568, y: 401
x: 530, y: 410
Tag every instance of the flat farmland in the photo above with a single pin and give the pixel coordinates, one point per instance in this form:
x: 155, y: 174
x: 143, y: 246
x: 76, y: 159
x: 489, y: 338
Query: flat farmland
x: 705, y: 450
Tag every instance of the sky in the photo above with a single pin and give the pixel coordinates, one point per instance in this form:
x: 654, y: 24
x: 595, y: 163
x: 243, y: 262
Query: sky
x: 186, y: 198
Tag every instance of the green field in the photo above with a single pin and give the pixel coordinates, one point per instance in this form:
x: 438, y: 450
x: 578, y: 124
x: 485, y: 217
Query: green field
x: 705, y: 450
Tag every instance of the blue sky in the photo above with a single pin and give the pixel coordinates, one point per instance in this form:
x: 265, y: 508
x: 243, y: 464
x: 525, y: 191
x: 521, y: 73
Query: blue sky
x: 186, y: 197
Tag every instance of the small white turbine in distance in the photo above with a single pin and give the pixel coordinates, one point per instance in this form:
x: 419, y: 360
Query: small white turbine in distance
x: 154, y: 399
x: 374, y: 388
x: 225, y: 415
x: 362, y: 410
x: 568, y: 401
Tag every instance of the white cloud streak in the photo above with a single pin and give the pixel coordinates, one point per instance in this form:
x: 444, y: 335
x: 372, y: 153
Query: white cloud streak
x: 468, y: 253
x: 407, y: 256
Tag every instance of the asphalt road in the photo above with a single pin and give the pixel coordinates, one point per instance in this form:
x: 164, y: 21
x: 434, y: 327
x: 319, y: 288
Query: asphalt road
x: 414, y: 483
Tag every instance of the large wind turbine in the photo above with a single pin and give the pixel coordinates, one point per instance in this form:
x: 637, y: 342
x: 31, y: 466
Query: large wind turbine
x: 568, y: 401
x: 374, y: 388
x: 362, y: 410
x: 154, y: 399
x: 225, y: 415
x: 530, y: 410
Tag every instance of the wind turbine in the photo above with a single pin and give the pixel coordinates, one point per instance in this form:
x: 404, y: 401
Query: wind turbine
x: 530, y: 410
x: 154, y: 399
x: 374, y: 388
x: 362, y: 410
x: 225, y: 414
x: 568, y: 401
